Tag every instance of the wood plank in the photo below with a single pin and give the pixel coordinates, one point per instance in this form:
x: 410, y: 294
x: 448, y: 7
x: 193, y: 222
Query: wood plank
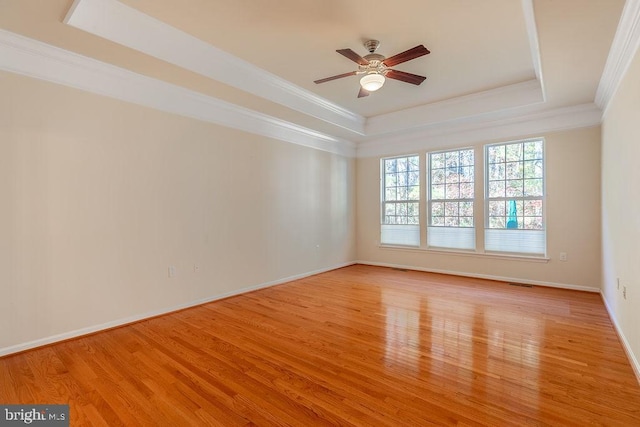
x: 359, y: 345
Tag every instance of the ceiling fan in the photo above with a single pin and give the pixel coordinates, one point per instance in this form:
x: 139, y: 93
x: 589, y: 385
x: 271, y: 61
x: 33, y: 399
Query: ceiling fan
x: 374, y: 67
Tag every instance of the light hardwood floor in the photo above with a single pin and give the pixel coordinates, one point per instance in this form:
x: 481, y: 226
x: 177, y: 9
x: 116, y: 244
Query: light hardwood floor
x: 356, y: 346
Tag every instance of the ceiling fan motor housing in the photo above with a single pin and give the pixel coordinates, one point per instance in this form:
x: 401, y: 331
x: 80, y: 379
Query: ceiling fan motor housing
x: 371, y: 45
x: 375, y: 59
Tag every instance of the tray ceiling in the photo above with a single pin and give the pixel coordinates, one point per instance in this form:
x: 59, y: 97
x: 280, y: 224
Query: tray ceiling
x: 489, y: 60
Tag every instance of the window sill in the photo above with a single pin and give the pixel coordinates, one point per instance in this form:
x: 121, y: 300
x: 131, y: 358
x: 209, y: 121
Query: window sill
x: 472, y: 254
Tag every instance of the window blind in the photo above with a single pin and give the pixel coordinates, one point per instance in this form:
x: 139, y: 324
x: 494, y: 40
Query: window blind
x: 400, y: 234
x: 519, y: 241
x: 451, y: 237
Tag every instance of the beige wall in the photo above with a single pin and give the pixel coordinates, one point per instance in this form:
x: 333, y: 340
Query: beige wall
x: 99, y: 197
x: 573, y: 219
x: 621, y: 208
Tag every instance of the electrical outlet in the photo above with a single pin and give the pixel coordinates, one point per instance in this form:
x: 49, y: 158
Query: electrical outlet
x: 196, y: 268
x: 624, y: 292
x: 172, y: 271
x: 563, y: 256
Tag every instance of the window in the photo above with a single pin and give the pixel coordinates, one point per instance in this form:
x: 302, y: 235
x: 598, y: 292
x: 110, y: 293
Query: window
x: 401, y: 201
x: 514, y: 189
x: 512, y: 209
x: 451, y: 195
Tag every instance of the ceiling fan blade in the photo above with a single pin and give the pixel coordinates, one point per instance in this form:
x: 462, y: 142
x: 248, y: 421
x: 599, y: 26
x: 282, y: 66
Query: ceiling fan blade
x: 339, y: 76
x: 353, y: 56
x: 407, y: 55
x: 363, y: 92
x: 405, y: 77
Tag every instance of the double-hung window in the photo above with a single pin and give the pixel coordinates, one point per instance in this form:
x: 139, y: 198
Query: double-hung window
x: 401, y: 201
x: 451, y: 199
x: 515, y: 190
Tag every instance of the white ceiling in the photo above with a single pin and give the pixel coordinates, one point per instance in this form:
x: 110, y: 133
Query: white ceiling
x: 296, y: 40
x: 490, y: 59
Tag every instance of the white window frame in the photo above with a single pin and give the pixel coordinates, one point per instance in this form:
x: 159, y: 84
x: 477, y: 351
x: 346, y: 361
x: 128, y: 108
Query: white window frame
x: 394, y: 233
x: 450, y: 236
x: 518, y: 241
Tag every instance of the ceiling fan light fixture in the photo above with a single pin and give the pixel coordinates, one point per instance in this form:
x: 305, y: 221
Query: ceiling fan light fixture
x: 372, y: 82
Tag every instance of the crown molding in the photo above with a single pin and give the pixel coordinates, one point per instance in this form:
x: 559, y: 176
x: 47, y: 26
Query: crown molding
x: 504, y: 112
x: 38, y: 60
x: 35, y: 59
x: 623, y: 49
x: 119, y: 23
x: 129, y: 27
x: 502, y: 98
x: 512, y: 124
x: 506, y: 97
x: 534, y: 44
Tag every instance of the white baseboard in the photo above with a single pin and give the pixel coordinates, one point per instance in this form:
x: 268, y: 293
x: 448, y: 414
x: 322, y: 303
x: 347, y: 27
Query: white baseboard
x: 625, y: 344
x: 138, y: 317
x: 484, y: 276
